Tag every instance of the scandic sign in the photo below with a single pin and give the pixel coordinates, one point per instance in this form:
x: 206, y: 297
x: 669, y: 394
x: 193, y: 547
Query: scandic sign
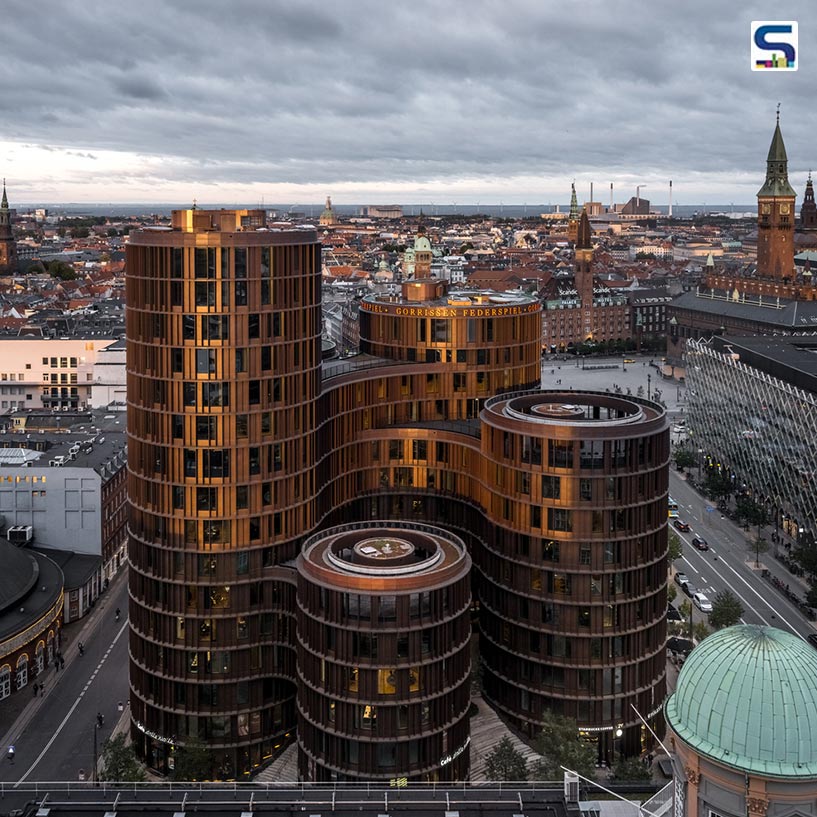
x: 449, y: 312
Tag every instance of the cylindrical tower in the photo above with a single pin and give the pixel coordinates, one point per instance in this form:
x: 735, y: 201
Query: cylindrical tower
x: 383, y: 653
x: 223, y: 325
x: 573, y: 577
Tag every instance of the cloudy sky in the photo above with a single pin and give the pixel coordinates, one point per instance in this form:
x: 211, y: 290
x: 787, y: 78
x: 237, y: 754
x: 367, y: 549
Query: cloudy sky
x: 437, y: 101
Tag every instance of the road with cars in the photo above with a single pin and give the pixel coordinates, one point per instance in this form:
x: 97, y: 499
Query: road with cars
x: 729, y: 563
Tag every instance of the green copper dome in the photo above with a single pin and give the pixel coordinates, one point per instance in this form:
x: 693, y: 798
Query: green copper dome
x: 747, y: 697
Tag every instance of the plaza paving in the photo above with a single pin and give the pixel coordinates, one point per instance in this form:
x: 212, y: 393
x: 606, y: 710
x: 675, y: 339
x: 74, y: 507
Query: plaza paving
x: 605, y: 373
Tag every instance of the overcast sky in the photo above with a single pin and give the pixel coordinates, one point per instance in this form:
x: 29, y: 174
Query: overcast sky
x: 387, y: 101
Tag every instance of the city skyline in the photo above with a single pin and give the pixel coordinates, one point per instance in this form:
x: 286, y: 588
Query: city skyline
x: 372, y: 104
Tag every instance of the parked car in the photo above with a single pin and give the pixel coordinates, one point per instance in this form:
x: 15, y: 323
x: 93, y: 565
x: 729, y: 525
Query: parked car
x: 680, y: 524
x: 629, y: 360
x: 702, y: 602
x: 680, y: 645
x: 681, y: 579
x: 688, y: 589
x: 812, y: 639
x: 700, y: 543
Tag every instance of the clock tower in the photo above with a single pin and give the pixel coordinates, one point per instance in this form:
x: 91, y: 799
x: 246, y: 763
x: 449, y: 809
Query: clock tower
x: 8, y: 249
x: 775, y: 216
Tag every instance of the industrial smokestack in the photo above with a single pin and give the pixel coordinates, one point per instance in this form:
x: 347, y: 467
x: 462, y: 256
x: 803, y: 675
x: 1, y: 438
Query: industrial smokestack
x: 670, y: 198
x: 591, y: 191
x: 611, y: 197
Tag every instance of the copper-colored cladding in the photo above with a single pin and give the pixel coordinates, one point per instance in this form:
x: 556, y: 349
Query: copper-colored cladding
x: 573, y: 573
x: 224, y: 360
x: 383, y: 653
x: 242, y: 443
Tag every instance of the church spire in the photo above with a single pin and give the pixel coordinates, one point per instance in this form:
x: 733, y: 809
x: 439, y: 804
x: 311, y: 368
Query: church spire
x: 777, y: 174
x: 5, y: 202
x: 574, y: 204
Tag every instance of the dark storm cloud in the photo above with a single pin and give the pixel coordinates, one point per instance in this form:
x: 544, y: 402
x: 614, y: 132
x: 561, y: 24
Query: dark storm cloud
x: 311, y: 92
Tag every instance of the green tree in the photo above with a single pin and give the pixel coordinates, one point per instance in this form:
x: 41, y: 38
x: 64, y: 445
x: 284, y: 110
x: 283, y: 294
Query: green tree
x: 119, y: 761
x: 717, y: 484
x: 684, y: 458
x: 811, y: 596
x: 726, y: 610
x: 672, y: 592
x: 631, y: 770
x: 675, y: 548
x: 700, y: 631
x: 760, y: 545
x: 559, y: 744
x: 504, y: 762
x: 805, y: 554
x: 61, y: 270
x: 193, y: 761
x: 752, y: 512
x: 80, y: 232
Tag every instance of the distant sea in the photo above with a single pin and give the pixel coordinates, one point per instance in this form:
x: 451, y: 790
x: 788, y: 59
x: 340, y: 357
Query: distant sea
x: 311, y: 212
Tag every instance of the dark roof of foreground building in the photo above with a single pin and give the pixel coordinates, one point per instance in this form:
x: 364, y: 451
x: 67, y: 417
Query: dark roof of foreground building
x: 349, y: 800
x: 21, y: 609
x: 792, y: 358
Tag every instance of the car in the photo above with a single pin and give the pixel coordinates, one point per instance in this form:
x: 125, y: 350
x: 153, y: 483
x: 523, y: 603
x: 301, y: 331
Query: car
x: 679, y: 429
x: 629, y: 360
x: 812, y: 639
x: 702, y: 602
x: 680, y: 645
x: 700, y: 543
x: 688, y: 589
x: 680, y: 524
x: 681, y: 578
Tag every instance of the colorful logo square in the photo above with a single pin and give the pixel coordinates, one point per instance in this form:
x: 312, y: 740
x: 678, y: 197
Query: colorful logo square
x: 773, y: 45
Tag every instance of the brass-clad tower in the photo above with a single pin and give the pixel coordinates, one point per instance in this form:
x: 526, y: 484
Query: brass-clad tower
x: 223, y: 327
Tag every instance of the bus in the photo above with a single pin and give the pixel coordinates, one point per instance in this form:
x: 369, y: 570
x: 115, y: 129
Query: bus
x: 672, y: 507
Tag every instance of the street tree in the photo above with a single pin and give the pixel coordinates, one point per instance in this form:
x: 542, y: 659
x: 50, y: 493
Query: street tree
x: 718, y: 484
x: 559, y: 744
x: 675, y: 547
x: 805, y: 554
x: 700, y: 631
x: 726, y: 610
x: 505, y: 762
x: 684, y: 458
x: 192, y: 761
x: 119, y: 761
x: 672, y: 592
x: 760, y: 545
x: 631, y: 770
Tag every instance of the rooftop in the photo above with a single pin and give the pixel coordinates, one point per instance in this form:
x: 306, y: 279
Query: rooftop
x: 43, y: 584
x: 792, y: 358
x: 37, y: 439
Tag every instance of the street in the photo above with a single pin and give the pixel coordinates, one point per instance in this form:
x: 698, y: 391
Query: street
x: 728, y: 564
x: 54, y: 736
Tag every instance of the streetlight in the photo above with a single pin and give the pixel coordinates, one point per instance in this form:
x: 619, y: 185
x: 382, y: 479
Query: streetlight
x: 649, y: 380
